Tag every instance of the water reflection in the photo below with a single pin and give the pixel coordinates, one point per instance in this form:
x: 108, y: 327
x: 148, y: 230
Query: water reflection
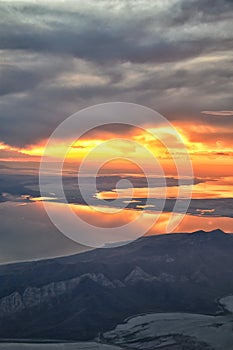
x: 26, y: 232
x: 107, y: 219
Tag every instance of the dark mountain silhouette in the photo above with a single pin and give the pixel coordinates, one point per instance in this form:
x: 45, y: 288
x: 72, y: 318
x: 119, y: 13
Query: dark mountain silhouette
x: 78, y: 296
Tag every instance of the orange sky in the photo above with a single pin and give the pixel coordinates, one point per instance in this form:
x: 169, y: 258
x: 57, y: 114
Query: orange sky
x: 211, y: 155
x: 136, y: 153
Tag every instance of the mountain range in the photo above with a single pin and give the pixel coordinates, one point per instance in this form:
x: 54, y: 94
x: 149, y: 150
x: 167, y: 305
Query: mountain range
x: 82, y: 296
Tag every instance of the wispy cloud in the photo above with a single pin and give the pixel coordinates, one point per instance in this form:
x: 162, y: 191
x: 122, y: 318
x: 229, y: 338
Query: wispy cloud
x: 219, y: 113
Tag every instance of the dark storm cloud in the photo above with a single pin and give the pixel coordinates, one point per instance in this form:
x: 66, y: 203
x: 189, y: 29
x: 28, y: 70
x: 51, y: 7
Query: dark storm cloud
x: 202, y: 10
x: 99, y: 38
x: 14, y: 80
x: 152, y: 54
x: 15, y: 77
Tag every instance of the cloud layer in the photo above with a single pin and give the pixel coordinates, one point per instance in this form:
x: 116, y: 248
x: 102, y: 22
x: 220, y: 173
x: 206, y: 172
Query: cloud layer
x: 173, y: 56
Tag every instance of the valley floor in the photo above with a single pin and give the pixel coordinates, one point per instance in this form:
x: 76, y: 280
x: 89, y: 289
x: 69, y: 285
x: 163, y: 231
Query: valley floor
x: 164, y: 331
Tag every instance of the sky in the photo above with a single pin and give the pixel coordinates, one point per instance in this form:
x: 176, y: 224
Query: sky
x: 174, y: 56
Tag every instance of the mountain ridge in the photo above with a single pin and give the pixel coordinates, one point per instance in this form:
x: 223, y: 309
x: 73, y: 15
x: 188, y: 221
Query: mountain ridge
x: 216, y: 231
x: 78, y: 296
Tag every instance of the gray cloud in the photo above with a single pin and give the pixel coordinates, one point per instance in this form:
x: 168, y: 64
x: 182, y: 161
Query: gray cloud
x: 105, y: 36
x: 59, y: 58
x: 202, y: 10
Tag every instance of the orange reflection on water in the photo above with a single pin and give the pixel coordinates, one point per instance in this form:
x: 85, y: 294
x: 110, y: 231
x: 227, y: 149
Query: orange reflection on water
x: 219, y: 188
x: 107, y: 219
x: 191, y: 223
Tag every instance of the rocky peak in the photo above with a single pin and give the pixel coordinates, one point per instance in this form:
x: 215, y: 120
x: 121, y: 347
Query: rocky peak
x: 138, y: 274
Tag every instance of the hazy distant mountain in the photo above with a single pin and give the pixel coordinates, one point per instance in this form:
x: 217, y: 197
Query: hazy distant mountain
x: 77, y: 297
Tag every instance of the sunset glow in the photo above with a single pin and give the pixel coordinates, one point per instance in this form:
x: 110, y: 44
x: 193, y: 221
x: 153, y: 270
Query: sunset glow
x: 207, y: 156
x: 167, y: 63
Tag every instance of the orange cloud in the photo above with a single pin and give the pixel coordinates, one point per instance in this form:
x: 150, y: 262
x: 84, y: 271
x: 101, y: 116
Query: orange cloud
x: 210, y: 148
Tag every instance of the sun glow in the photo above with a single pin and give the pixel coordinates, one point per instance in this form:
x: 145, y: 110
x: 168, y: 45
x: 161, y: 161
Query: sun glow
x: 206, y: 155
